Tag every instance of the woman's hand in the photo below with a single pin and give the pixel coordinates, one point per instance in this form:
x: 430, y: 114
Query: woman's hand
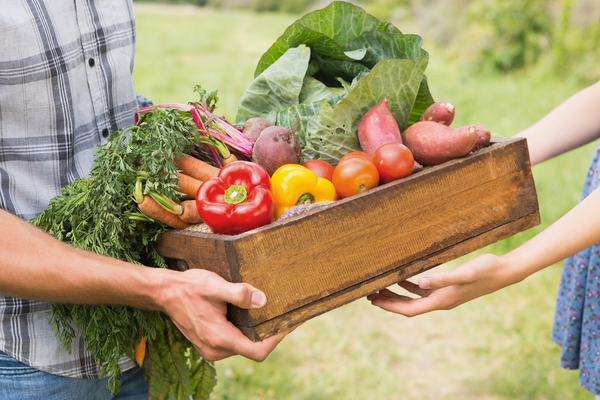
x: 445, y: 290
x: 575, y: 231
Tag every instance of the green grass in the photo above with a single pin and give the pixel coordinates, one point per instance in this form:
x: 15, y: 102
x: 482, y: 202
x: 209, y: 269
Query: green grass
x: 181, y: 46
x: 497, y: 347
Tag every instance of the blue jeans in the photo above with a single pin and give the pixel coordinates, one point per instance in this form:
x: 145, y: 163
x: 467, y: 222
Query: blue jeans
x: 19, y: 381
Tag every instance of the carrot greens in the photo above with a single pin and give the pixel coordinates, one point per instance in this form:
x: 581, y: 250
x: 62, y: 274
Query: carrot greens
x: 100, y: 214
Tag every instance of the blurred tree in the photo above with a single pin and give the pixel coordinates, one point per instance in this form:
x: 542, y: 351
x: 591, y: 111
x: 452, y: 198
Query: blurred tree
x: 266, y: 5
x: 286, y: 6
x: 517, y: 31
x: 497, y: 35
x: 199, y: 3
x: 576, y: 40
x: 384, y: 9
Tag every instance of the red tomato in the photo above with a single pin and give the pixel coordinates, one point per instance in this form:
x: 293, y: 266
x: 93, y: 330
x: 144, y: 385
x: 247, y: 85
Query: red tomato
x: 321, y: 168
x: 393, y: 161
x: 360, y: 154
x: 354, y: 175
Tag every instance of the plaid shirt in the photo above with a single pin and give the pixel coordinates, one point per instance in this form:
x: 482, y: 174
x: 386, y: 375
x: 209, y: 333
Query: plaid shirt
x: 65, y: 82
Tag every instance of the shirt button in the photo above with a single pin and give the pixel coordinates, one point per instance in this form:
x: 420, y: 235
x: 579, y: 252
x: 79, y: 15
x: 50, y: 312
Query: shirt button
x: 105, y: 133
x: 91, y: 62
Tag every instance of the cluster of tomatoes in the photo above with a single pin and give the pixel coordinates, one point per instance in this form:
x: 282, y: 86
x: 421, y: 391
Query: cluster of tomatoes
x: 358, y: 171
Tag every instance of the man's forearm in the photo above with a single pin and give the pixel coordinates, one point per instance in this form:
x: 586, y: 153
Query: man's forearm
x: 35, y: 265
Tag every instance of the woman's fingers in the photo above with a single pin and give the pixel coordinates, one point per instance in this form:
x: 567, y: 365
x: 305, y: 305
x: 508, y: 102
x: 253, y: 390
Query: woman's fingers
x: 406, y: 306
x: 446, y: 290
x: 386, y: 294
x: 414, y: 288
x: 429, y: 283
x: 437, y: 280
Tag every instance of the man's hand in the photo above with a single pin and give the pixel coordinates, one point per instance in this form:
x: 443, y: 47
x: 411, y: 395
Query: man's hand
x: 196, y: 302
x: 36, y: 266
x: 445, y: 290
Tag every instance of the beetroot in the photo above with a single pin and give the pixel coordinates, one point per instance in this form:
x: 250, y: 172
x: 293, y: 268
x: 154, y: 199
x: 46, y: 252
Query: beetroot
x: 377, y: 127
x: 276, y: 146
x: 254, y: 126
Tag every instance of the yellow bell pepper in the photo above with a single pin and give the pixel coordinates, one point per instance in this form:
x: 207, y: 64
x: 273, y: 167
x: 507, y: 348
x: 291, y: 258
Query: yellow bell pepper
x: 294, y: 184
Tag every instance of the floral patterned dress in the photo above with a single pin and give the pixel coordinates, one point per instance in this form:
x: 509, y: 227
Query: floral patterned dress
x: 577, y: 318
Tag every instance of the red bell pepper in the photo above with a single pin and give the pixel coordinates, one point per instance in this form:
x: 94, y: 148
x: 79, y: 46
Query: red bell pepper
x: 237, y: 200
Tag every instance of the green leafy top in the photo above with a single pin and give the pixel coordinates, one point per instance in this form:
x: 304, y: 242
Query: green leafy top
x: 325, y: 31
x: 310, y: 79
x: 99, y: 214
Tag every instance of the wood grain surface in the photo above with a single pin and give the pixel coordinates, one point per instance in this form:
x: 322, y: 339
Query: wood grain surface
x: 362, y: 289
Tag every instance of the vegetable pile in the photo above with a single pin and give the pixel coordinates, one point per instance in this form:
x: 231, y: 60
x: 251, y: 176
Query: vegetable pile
x: 339, y: 105
x: 327, y: 70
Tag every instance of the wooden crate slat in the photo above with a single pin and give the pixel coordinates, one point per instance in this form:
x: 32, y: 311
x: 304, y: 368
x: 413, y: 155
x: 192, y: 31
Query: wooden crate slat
x: 342, y: 261
x: 337, y: 247
x: 197, y: 250
x: 362, y: 289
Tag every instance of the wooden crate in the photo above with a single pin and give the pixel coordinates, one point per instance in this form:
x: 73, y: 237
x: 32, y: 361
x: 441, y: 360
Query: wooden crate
x: 321, y: 260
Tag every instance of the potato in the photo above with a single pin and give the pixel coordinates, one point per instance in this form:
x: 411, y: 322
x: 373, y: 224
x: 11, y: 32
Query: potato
x: 483, y: 137
x: 254, y: 126
x: 433, y: 143
x: 441, y: 112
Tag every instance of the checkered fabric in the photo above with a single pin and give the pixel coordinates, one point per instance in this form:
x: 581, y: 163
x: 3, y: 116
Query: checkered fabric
x: 65, y: 83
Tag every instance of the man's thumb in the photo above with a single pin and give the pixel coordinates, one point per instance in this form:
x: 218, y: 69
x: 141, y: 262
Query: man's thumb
x: 246, y: 296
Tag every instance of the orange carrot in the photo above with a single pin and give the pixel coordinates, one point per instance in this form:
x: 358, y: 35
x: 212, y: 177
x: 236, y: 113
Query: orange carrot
x: 195, y: 168
x: 152, y: 209
x: 140, y: 352
x: 190, y: 212
x: 188, y: 185
x: 229, y: 159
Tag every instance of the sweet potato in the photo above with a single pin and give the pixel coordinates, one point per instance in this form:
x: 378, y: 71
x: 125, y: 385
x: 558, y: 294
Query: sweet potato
x: 483, y: 137
x: 416, y: 167
x: 441, y: 112
x: 378, y: 127
x: 433, y: 143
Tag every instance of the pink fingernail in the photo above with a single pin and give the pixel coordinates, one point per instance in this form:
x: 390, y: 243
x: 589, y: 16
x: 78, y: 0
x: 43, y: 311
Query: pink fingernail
x: 258, y: 299
x: 424, y: 283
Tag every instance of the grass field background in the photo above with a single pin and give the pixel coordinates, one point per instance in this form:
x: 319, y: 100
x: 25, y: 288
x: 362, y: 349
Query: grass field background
x: 497, y: 347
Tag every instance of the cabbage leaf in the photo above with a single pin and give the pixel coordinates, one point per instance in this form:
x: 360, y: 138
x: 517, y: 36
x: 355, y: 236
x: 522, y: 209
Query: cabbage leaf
x: 329, y: 68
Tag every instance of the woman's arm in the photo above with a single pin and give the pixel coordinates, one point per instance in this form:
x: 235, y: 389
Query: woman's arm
x: 572, y: 124
x: 577, y: 230
x: 34, y: 265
